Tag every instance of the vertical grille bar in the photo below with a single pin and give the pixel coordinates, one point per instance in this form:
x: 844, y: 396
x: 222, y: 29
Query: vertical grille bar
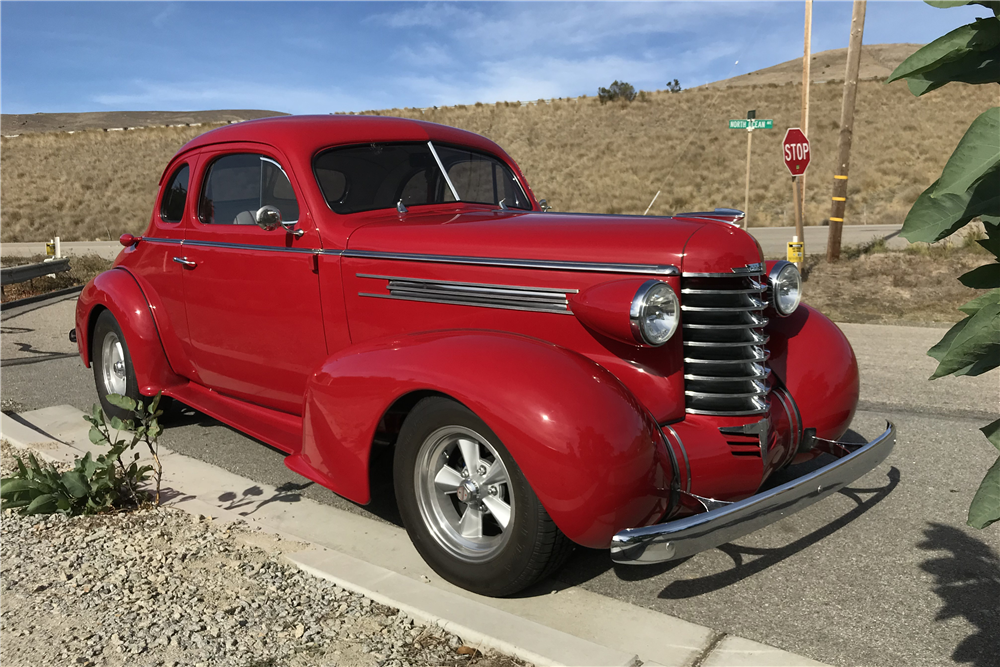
x: 725, y: 353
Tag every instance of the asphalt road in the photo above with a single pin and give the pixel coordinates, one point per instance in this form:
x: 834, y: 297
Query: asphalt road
x: 885, y: 574
x: 772, y: 239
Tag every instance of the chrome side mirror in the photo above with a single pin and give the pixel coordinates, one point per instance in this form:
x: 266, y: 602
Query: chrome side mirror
x: 289, y: 226
x: 268, y: 218
x: 544, y: 205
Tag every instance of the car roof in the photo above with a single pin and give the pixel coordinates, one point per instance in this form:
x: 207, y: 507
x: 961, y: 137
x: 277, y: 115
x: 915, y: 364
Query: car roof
x: 312, y: 133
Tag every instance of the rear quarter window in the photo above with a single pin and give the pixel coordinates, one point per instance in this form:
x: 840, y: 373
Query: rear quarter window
x: 175, y: 196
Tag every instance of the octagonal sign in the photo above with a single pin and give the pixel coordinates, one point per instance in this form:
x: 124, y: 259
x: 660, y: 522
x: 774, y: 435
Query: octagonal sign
x: 795, y: 151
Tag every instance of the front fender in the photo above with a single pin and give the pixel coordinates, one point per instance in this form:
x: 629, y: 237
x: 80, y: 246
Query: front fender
x: 813, y: 359
x: 116, y: 290
x: 587, y: 447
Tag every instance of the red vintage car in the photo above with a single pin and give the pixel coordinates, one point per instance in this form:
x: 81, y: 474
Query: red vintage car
x: 334, y: 286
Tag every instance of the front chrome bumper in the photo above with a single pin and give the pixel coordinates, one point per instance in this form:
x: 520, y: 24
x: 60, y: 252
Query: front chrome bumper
x: 690, y: 535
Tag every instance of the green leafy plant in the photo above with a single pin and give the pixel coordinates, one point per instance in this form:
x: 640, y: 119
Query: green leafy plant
x: 111, y: 481
x: 969, y: 188
x: 619, y: 90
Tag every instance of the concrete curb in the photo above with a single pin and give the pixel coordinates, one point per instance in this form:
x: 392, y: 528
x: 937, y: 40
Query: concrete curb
x: 479, y: 625
x: 569, y: 626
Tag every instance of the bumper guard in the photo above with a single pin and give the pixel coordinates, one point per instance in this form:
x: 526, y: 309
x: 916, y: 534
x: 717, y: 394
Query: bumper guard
x: 690, y: 535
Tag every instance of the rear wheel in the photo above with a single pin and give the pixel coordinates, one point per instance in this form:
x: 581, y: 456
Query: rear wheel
x: 466, y: 506
x: 112, y: 363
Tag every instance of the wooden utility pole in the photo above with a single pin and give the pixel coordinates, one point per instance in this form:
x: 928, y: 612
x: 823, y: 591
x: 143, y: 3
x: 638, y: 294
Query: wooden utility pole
x: 846, y: 132
x: 806, y: 78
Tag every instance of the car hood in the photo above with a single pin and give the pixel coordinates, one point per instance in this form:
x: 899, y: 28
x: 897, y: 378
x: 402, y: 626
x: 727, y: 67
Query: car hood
x: 693, y: 245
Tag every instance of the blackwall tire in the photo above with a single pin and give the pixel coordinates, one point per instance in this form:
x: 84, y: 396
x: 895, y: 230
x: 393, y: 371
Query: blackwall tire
x: 479, y: 526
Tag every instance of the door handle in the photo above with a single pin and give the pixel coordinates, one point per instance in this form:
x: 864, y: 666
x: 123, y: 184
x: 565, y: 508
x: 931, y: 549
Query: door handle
x: 186, y: 262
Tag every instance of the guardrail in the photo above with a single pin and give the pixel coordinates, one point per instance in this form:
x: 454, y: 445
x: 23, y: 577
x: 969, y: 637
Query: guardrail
x: 20, y: 274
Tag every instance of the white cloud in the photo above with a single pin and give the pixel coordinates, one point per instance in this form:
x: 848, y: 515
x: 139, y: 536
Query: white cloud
x: 161, y: 17
x: 424, y: 56
x: 433, y: 14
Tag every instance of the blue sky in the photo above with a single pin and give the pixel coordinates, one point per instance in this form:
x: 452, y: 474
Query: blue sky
x: 321, y: 57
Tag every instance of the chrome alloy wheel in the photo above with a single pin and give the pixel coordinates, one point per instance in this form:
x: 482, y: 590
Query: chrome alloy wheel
x: 113, y: 364
x: 463, y: 493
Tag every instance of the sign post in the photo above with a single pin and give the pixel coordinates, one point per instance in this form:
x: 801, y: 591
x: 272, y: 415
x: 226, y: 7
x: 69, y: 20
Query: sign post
x: 750, y: 123
x: 796, y: 155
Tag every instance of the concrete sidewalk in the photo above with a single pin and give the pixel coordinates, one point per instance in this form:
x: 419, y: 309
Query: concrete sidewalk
x: 570, y: 626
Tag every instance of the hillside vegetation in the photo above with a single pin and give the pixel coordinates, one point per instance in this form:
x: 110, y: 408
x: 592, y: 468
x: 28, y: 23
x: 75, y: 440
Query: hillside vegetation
x: 577, y: 153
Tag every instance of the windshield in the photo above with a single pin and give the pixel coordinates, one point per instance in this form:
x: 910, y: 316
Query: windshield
x: 375, y: 176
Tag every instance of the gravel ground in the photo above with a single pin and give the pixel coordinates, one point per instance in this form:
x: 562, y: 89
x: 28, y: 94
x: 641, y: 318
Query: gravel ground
x: 162, y: 587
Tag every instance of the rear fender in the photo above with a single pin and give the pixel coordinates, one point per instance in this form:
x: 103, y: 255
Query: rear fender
x: 590, y: 451
x: 116, y: 290
x: 813, y: 359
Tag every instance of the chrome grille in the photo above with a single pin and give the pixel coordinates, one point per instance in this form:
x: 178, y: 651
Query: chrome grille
x: 725, y: 353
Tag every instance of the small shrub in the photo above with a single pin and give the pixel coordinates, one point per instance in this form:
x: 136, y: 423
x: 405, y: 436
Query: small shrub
x: 619, y: 90
x: 93, y: 485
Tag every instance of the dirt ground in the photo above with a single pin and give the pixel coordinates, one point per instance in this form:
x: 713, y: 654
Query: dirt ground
x: 918, y: 285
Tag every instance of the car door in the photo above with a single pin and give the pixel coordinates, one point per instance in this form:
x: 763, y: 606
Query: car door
x: 253, y: 301
x: 162, y: 279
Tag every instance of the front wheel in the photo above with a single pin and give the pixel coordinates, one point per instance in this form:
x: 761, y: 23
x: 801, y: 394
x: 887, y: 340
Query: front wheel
x: 466, y: 505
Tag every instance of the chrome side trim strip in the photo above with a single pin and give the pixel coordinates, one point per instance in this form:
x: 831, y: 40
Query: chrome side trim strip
x: 156, y: 239
x: 456, y: 302
x: 238, y: 246
x: 507, y: 297
x: 690, y: 535
x: 490, y: 286
x: 250, y: 246
x: 555, y: 265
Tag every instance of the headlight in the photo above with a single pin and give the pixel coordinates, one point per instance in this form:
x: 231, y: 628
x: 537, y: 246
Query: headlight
x: 786, y: 288
x: 655, y: 313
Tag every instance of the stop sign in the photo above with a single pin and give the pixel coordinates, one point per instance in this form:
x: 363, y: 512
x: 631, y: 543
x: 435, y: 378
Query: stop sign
x: 795, y: 151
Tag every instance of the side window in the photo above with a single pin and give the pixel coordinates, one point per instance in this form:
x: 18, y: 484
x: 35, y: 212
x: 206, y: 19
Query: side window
x: 174, y: 196
x: 238, y: 185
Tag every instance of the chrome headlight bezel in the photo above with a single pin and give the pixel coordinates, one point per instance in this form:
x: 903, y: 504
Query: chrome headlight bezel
x: 778, y: 276
x: 654, y: 294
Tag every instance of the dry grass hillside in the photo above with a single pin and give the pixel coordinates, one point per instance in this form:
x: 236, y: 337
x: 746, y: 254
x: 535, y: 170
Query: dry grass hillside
x: 577, y: 153
x: 83, y: 186
x: 877, y: 62
x: 584, y: 156
x: 17, y: 123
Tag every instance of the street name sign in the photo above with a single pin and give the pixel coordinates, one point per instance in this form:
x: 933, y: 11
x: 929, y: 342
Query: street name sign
x: 795, y: 151
x: 756, y: 124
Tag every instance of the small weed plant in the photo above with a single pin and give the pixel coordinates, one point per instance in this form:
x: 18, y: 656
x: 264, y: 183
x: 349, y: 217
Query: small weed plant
x: 109, y: 482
